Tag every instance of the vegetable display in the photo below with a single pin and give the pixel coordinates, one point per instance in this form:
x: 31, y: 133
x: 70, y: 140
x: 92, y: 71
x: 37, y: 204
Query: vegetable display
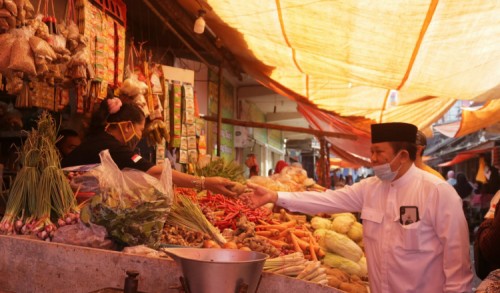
x: 40, y: 198
x: 131, y: 204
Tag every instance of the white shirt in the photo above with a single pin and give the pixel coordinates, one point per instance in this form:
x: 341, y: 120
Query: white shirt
x: 431, y: 255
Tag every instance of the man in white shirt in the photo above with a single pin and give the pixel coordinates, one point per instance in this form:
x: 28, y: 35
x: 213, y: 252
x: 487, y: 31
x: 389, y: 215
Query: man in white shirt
x: 430, y: 253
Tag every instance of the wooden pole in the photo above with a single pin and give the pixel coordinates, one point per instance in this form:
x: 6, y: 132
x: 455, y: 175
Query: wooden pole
x: 219, y: 112
x: 317, y: 133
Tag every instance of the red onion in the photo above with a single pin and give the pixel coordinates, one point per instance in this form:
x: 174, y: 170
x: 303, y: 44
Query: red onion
x: 18, y: 225
x: 61, y: 222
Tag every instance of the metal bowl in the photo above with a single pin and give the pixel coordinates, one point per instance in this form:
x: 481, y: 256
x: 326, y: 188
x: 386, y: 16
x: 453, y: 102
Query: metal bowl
x: 208, y: 270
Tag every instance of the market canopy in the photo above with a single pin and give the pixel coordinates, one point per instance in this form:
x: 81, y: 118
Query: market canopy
x: 381, y: 60
x: 366, y: 61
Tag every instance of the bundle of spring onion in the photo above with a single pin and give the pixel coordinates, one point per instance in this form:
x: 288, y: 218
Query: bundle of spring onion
x: 187, y: 214
x: 40, y: 194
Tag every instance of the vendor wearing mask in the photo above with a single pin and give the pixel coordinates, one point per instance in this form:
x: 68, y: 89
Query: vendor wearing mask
x: 415, y: 233
x: 118, y: 127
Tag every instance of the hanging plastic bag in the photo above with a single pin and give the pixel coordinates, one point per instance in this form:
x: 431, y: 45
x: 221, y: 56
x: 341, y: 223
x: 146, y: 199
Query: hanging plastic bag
x: 23, y: 59
x: 132, y: 205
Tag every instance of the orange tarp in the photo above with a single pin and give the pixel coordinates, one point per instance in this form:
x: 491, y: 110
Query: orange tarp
x: 377, y: 61
x: 473, y: 120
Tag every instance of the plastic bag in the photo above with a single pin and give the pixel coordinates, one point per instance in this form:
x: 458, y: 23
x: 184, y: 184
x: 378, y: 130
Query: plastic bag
x: 6, y: 40
x: 41, y: 48
x: 132, y: 86
x: 23, y: 59
x: 84, y: 235
x: 132, y: 205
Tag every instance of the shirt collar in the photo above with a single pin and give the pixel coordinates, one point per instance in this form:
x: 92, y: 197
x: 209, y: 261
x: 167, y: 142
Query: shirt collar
x: 406, y: 178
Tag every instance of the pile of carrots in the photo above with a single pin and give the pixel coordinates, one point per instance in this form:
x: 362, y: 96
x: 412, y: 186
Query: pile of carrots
x: 290, y: 236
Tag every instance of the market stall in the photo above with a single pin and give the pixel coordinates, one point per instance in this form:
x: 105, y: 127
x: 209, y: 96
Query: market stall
x: 98, y: 222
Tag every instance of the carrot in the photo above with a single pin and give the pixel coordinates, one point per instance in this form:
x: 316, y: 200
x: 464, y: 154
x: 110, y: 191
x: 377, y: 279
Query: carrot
x: 262, y: 222
x: 301, y: 233
x: 280, y: 227
x: 276, y: 243
x: 284, y: 233
x: 312, y: 241
x: 312, y: 251
x: 268, y: 233
x: 284, y: 215
x: 263, y: 233
x: 304, y: 245
x: 295, y: 243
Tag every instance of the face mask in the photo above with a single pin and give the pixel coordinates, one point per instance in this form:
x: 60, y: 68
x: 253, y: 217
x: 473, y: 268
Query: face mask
x: 384, y: 171
x: 132, y: 140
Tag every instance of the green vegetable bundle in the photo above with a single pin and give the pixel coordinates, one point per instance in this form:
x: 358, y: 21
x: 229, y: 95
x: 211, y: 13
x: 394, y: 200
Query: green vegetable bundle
x: 219, y: 167
x: 133, y: 223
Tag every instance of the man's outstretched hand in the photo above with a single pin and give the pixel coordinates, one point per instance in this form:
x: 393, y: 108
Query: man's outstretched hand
x: 258, y: 196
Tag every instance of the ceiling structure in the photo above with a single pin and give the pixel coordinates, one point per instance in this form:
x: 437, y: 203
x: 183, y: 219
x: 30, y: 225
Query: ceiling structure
x: 348, y: 64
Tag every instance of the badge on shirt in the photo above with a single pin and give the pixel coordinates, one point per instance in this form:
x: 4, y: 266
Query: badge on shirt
x: 136, y: 158
x: 408, y: 215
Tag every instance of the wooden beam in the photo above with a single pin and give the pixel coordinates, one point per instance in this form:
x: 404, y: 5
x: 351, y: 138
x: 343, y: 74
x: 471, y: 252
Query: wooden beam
x: 317, y: 133
x: 170, y: 13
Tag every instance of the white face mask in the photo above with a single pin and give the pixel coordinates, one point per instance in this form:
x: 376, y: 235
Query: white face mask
x: 384, y: 171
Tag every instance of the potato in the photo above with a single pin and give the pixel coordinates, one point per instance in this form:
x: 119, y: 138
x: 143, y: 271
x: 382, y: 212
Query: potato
x: 353, y: 288
x: 230, y: 245
x: 210, y: 244
x: 333, y: 281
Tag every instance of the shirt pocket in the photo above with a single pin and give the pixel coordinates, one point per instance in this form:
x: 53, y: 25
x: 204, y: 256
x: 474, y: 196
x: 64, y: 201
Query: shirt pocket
x: 410, y: 236
x: 372, y: 220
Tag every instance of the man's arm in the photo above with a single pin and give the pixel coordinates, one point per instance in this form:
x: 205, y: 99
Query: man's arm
x: 347, y: 199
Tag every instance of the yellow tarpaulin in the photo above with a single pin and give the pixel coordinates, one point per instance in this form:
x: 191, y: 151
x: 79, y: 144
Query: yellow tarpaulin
x: 473, y: 120
x: 377, y: 61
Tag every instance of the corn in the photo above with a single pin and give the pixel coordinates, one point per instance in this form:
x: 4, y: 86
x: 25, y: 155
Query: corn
x: 342, y: 245
x: 343, y: 223
x: 320, y: 223
x: 342, y: 263
x: 356, y: 232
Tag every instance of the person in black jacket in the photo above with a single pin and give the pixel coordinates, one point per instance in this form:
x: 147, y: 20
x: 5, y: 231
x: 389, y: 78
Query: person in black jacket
x: 463, y: 187
x: 118, y: 127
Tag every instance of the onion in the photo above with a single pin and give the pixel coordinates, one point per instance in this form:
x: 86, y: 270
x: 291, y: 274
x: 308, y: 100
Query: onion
x: 18, y: 224
x: 74, y: 216
x: 61, y: 222
x: 41, y: 234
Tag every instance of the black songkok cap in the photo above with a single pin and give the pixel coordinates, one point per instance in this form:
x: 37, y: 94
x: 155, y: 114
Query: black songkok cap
x: 394, y: 131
